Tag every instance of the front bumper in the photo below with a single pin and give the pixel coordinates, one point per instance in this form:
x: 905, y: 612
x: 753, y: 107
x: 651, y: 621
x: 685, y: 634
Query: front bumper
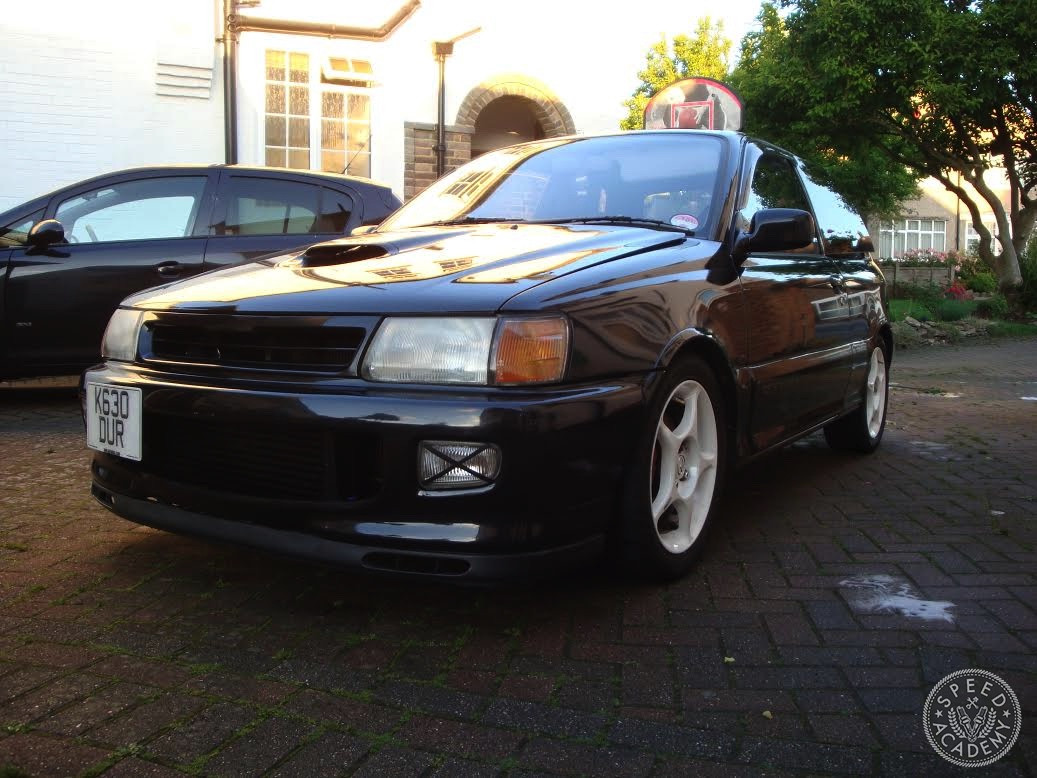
x: 329, y: 472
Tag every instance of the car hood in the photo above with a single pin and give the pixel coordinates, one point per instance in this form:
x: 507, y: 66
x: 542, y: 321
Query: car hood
x: 448, y: 269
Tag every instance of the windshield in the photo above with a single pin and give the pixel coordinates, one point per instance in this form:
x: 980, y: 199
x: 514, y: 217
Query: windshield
x: 665, y: 177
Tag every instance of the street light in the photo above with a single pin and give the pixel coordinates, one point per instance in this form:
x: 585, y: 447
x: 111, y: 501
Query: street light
x: 442, y: 50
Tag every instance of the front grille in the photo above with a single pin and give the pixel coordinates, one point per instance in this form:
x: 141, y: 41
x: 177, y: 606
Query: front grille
x: 256, y: 460
x: 306, y: 344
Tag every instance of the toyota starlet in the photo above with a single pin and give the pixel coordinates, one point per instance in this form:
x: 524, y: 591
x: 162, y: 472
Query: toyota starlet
x: 561, y: 348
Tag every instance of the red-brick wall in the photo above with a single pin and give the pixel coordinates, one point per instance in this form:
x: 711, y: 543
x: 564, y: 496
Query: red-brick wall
x: 419, y: 154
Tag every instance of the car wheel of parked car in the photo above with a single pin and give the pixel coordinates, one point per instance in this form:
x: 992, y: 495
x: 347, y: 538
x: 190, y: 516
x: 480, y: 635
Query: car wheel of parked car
x: 862, y: 430
x: 677, y: 473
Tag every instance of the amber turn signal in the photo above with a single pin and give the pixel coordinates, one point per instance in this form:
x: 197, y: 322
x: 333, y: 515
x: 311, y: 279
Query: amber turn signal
x: 531, y: 351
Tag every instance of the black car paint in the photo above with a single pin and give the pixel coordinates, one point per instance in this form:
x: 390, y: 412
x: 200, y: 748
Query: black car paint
x: 636, y: 298
x: 55, y: 302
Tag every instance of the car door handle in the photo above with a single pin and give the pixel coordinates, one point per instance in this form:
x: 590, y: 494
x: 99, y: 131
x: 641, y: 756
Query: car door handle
x: 169, y: 269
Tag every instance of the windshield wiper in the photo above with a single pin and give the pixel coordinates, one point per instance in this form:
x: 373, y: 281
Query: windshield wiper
x: 468, y: 220
x: 635, y: 220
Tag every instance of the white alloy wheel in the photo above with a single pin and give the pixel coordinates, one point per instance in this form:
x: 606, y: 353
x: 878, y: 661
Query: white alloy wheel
x: 861, y: 429
x: 683, y: 471
x: 875, y: 399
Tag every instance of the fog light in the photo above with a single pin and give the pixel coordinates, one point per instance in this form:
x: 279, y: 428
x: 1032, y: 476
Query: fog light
x: 444, y: 465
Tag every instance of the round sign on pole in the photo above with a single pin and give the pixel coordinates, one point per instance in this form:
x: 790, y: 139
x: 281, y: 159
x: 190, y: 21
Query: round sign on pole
x: 695, y: 104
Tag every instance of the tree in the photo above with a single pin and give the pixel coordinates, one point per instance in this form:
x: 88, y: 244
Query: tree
x: 870, y: 88
x: 704, y: 54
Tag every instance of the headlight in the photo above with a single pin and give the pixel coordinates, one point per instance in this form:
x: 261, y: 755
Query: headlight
x: 120, y: 338
x: 468, y: 350
x: 430, y: 351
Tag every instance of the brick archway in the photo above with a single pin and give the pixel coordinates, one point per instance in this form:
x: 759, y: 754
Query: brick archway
x: 551, y: 112
x: 420, y: 138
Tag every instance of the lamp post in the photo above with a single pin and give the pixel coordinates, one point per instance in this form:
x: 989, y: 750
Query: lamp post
x: 442, y: 50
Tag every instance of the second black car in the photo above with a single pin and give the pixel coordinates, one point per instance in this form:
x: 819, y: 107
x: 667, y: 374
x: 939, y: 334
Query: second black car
x: 67, y: 258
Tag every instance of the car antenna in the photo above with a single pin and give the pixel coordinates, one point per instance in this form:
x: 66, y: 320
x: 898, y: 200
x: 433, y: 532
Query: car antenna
x: 350, y: 162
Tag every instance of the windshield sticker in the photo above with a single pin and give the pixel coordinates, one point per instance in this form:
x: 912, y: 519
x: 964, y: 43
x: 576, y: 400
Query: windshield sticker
x: 685, y: 220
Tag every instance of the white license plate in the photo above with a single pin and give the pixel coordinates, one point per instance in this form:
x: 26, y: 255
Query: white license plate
x: 113, y: 419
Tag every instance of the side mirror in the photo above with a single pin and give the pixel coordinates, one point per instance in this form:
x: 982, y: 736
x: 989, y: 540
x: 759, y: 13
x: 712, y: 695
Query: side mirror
x: 775, y: 229
x: 45, y: 234
x: 780, y: 229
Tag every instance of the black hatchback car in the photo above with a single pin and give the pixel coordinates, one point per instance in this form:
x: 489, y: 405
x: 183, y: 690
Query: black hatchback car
x: 69, y: 257
x: 560, y: 347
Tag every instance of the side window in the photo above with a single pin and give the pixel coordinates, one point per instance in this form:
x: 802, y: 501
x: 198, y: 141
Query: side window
x: 15, y: 234
x: 842, y: 230
x: 267, y: 206
x: 335, y: 208
x: 145, y: 209
x: 776, y: 185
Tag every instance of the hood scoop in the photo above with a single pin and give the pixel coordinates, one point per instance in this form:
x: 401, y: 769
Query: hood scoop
x: 335, y: 254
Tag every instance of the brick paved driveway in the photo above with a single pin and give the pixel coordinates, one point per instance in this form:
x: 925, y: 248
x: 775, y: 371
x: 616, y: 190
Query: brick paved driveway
x: 130, y: 652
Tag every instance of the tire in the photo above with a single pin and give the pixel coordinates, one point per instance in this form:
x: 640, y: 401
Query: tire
x: 683, y: 443
x: 861, y: 430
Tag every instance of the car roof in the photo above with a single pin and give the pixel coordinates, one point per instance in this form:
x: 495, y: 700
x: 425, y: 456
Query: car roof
x: 183, y: 167
x: 336, y: 178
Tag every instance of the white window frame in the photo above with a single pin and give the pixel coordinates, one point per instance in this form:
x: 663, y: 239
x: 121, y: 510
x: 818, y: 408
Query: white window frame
x: 922, y: 228
x: 318, y: 66
x: 972, y: 237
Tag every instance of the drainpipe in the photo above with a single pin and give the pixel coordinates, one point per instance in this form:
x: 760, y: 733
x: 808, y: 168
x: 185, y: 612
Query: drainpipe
x: 230, y: 91
x: 322, y: 30
x: 234, y: 23
x: 442, y: 50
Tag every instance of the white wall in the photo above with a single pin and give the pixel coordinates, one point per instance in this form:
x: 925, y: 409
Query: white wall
x: 78, y: 90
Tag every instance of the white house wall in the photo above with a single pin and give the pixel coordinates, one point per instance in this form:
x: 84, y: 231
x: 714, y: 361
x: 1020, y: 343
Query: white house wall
x: 78, y: 81
x: 78, y: 86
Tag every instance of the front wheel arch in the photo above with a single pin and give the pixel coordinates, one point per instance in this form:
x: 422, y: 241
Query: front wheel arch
x: 694, y: 343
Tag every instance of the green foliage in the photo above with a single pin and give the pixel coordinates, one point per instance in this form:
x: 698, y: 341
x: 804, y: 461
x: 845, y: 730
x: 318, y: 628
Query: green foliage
x: 881, y: 93
x: 995, y: 307
x: 706, y: 54
x: 954, y: 310
x: 926, y: 294
x: 970, y: 264
x: 927, y: 302
x: 983, y: 282
x: 779, y: 85
x: 1012, y: 329
x: 901, y: 309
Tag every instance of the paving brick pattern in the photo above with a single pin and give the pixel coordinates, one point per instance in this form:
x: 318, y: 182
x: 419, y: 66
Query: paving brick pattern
x: 126, y: 651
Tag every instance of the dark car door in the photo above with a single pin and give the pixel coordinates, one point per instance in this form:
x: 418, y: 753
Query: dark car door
x: 797, y: 347
x: 122, y: 235
x: 14, y: 231
x: 847, y: 243
x: 258, y: 214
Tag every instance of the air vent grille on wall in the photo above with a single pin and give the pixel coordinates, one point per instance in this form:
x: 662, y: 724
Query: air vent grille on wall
x: 183, y: 80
